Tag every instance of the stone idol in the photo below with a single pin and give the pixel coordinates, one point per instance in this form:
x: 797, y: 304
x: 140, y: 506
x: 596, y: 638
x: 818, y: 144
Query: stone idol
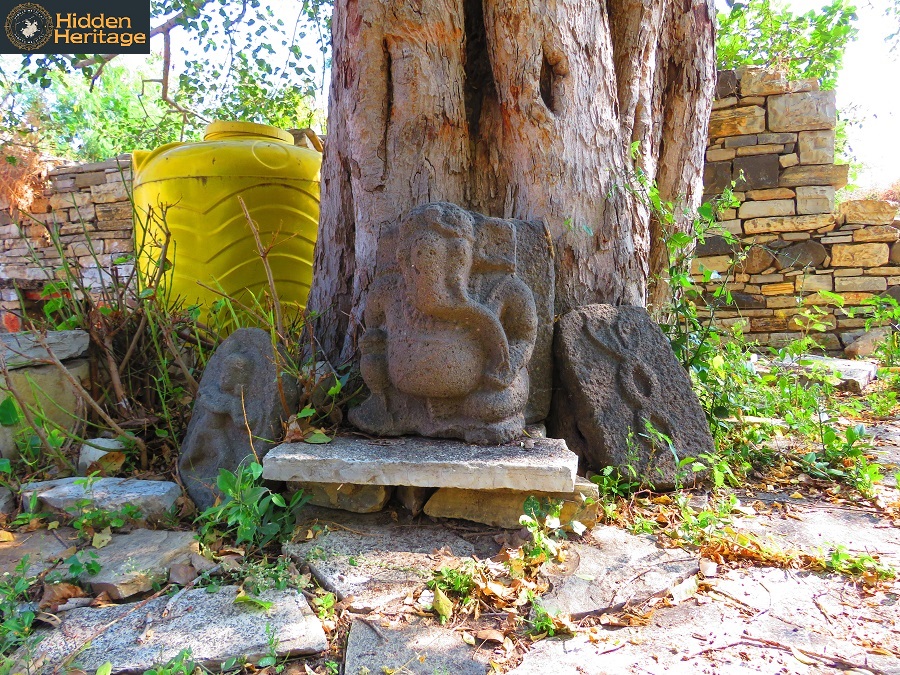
x: 459, y: 326
x: 239, y: 395
x: 621, y: 390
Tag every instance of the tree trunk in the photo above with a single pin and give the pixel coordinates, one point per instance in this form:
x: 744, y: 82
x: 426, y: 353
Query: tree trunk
x: 519, y: 109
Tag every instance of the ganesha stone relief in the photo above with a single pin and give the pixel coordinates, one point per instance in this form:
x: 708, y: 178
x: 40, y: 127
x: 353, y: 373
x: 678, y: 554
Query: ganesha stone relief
x: 452, y: 325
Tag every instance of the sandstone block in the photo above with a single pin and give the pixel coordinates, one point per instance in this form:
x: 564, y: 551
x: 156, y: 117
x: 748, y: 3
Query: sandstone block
x: 791, y: 159
x: 726, y: 83
x: 817, y: 147
x: 777, y: 138
x: 716, y: 263
x: 805, y: 254
x: 754, y: 173
x: 868, y: 211
x: 617, y: 375
x: 784, y: 288
x: 886, y: 233
x: 728, y: 102
x: 114, y: 211
x: 346, y: 496
x: 859, y: 255
x: 770, y: 193
x: 871, y: 284
x: 720, y: 154
x: 737, y: 121
x: 750, y: 150
x: 69, y: 200
x: 787, y: 224
x: 802, y: 112
x: 757, y: 81
x: 768, y: 208
x: 83, y: 180
x: 756, y: 259
x: 502, y: 508
x: 740, y: 141
x: 895, y: 254
x: 108, y: 193
x: 712, y: 246
x: 815, y: 174
x: 815, y: 199
x: 716, y: 176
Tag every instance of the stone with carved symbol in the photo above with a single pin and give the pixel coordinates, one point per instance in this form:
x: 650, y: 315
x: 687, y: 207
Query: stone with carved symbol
x: 623, y: 395
x: 458, y: 328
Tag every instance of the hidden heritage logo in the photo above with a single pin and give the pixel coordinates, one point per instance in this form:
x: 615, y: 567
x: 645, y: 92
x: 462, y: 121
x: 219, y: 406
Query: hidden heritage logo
x: 74, y: 27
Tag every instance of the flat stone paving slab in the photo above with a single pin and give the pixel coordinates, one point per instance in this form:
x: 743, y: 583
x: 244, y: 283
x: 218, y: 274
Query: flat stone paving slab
x: 24, y: 349
x: 375, y: 559
x: 544, y: 464
x: 153, y: 497
x: 616, y: 569
x: 413, y: 650
x: 211, y: 625
x: 815, y: 526
x: 41, y: 547
x: 132, y: 563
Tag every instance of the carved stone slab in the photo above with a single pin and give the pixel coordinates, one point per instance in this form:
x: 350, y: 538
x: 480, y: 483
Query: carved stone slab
x: 458, y: 323
x: 619, y: 380
x: 239, y: 391
x: 546, y: 466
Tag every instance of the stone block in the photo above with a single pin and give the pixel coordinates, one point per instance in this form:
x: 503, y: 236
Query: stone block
x: 859, y: 255
x: 69, y: 200
x: 211, y: 625
x: 815, y: 199
x: 503, y: 508
x: 108, y: 193
x: 24, y: 349
x: 135, y: 562
x: 802, y: 112
x: 867, y: 344
x: 777, y: 138
x: 885, y: 233
x: 766, y: 209
x: 726, y: 83
x: 770, y: 194
x: 754, y: 173
x: 716, y: 176
x: 720, y: 103
x: 529, y: 464
x: 716, y: 263
x: 716, y: 246
x: 720, y: 154
x: 740, y: 141
x: 895, y: 254
x: 82, y: 213
x: 868, y: 211
x: 756, y: 259
x: 784, y: 288
x: 750, y: 150
x: 870, y: 284
x: 153, y: 498
x: 114, y: 211
x: 758, y: 81
x: 788, y: 160
x: 83, y: 180
x: 239, y: 391
x: 815, y: 174
x: 46, y: 389
x: 737, y: 121
x: 618, y: 374
x: 817, y: 147
x: 807, y: 254
x: 346, y: 496
x: 458, y: 327
x: 787, y: 224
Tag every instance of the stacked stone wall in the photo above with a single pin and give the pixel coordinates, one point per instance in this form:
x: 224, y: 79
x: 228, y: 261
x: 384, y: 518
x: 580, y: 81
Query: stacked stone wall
x: 774, y: 140
x: 88, y: 205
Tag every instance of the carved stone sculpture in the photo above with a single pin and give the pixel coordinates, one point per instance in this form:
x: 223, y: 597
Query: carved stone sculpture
x: 240, y: 395
x: 452, y: 322
x: 621, y: 391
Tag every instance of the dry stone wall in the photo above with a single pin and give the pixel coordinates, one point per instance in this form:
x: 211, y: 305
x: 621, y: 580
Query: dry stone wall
x: 88, y: 205
x: 775, y: 140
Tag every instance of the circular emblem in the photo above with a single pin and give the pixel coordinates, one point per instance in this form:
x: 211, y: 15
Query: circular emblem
x: 29, y: 26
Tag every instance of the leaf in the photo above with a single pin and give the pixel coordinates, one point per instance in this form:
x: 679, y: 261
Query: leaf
x: 102, y: 538
x: 490, y: 635
x: 317, y: 437
x: 686, y: 589
x: 306, y: 412
x: 442, y: 605
x: 108, y: 464
x: 6, y: 536
x: 802, y: 658
x: 57, y: 594
x: 468, y: 638
x: 253, y: 601
x: 265, y: 662
x: 105, y: 669
x: 9, y: 413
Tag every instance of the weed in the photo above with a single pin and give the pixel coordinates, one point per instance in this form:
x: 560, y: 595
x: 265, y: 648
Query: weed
x: 839, y: 559
x: 325, y: 606
x: 16, y: 624
x: 270, y: 660
x: 249, y: 512
x: 541, y: 622
x: 180, y: 664
x: 456, y: 582
x: 332, y: 667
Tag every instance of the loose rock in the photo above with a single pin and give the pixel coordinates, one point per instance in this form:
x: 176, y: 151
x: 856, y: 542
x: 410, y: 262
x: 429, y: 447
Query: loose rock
x: 153, y: 498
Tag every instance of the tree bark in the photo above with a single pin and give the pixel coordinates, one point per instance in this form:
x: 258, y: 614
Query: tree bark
x: 518, y: 109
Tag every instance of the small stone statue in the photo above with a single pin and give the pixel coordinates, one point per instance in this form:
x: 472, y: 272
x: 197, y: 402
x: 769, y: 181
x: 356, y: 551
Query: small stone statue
x: 240, y: 396
x: 451, y: 328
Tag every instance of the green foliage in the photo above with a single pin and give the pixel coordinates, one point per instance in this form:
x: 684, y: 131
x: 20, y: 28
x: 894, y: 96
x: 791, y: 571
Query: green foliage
x: 15, y: 625
x: 249, y: 513
x: 180, y: 664
x: 457, y: 582
x: 840, y: 560
x: 760, y: 32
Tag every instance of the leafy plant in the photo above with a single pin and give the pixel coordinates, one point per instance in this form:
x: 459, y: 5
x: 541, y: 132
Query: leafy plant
x: 180, y: 664
x: 250, y: 513
x: 15, y: 625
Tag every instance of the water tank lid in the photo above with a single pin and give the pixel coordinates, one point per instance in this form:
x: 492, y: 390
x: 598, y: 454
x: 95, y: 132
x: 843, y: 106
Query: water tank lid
x: 220, y: 130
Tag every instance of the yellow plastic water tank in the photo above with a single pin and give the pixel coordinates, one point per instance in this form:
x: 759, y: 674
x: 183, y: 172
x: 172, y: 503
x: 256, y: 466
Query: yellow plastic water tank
x: 198, y: 185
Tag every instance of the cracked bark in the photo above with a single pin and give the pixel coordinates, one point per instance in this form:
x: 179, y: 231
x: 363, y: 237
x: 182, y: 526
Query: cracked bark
x: 515, y: 108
